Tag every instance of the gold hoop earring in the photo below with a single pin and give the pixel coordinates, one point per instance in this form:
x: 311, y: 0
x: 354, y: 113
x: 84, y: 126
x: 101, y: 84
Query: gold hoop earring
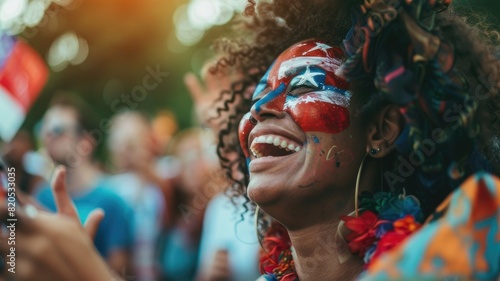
x: 343, y: 252
x: 356, y: 190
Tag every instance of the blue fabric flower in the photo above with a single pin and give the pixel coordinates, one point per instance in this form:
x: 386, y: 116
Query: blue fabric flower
x: 397, y: 208
x: 383, y: 228
x: 267, y: 277
x: 369, y: 253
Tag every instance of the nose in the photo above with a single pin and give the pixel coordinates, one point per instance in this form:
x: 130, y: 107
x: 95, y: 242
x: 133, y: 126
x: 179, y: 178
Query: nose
x: 270, y: 105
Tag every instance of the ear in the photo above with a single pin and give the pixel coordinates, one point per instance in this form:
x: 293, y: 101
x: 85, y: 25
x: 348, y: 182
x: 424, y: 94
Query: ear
x: 383, y: 131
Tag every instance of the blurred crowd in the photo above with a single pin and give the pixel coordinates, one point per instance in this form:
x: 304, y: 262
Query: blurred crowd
x: 161, y: 189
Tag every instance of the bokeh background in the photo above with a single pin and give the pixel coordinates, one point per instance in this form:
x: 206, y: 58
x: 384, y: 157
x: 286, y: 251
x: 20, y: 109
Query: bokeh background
x: 117, y: 55
x: 101, y: 49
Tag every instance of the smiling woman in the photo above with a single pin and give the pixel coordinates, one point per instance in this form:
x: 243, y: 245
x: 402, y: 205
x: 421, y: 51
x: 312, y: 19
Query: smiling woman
x: 370, y: 144
x: 299, y: 115
x: 302, y: 75
x: 384, y: 123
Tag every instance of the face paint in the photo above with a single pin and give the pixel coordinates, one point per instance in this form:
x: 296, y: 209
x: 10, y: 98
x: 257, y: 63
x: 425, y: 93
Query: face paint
x: 302, y: 82
x: 244, y: 129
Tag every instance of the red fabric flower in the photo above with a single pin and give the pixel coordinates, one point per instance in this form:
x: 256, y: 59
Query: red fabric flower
x: 402, y: 229
x: 362, y: 234
x: 290, y: 277
x: 275, y: 244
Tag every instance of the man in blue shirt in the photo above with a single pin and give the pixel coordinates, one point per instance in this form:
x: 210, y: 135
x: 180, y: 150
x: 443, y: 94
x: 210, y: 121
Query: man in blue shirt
x: 66, y: 137
x: 114, y: 233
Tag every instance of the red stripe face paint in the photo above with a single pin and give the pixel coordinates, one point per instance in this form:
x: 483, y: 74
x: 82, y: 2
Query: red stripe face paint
x: 296, y: 142
x: 323, y: 117
x: 244, y: 129
x: 302, y: 82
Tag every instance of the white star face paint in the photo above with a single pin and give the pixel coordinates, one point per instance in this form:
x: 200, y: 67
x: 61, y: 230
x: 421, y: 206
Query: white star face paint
x: 313, y: 79
x: 295, y: 136
x: 306, y: 79
x: 302, y: 82
x: 319, y: 46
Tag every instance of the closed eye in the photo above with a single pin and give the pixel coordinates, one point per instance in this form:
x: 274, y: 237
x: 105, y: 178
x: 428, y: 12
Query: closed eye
x: 302, y: 89
x: 301, y: 84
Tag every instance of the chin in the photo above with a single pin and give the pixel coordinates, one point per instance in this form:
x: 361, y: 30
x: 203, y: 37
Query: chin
x: 275, y: 200
x: 266, y: 190
x: 260, y: 195
x: 274, y: 206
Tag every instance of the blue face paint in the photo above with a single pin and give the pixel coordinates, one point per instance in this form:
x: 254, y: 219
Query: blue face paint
x: 302, y: 82
x: 269, y: 97
x: 248, y: 164
x: 262, y: 85
x: 315, y: 139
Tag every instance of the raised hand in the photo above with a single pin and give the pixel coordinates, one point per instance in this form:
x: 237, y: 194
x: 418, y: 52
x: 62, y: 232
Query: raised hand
x: 66, y: 207
x: 54, y: 246
x: 205, y: 95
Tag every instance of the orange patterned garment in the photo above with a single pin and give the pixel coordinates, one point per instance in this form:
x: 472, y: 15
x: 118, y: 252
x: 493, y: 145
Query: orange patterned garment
x: 461, y: 241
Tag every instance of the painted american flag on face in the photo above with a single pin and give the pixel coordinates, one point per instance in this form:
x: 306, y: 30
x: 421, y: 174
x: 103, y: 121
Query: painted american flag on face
x: 302, y: 82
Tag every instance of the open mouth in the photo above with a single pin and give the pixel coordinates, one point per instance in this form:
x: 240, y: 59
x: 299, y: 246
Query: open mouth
x: 273, y: 146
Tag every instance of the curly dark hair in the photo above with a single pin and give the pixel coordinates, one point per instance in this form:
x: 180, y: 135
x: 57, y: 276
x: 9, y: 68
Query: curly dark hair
x: 268, y: 28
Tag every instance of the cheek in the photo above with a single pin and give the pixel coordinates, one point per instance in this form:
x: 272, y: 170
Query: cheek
x: 243, y: 131
x: 330, y: 148
x: 320, y: 116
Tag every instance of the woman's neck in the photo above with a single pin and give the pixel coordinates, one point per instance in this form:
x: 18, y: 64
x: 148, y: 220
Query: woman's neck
x: 320, y: 254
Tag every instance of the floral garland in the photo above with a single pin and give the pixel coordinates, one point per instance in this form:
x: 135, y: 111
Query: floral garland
x: 385, y: 220
x: 277, y: 261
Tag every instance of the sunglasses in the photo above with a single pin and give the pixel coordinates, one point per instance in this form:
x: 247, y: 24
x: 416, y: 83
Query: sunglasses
x: 59, y: 130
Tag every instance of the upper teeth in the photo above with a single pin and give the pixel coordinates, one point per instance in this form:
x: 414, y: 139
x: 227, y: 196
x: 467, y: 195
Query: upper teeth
x: 274, y: 140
